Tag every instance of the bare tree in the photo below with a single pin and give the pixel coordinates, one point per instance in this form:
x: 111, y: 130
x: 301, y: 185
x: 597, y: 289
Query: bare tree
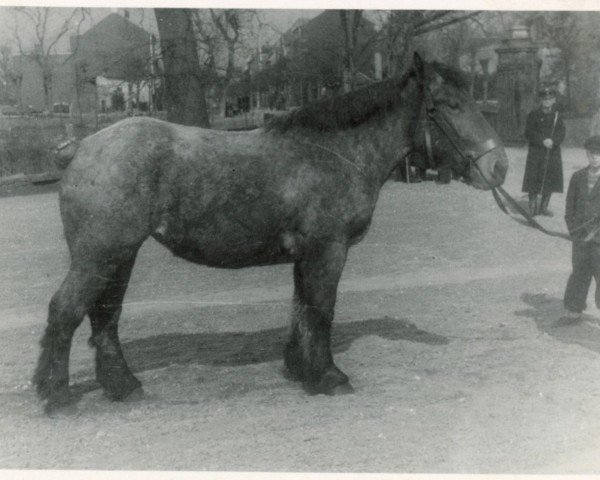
x: 564, y: 31
x: 458, y: 44
x: 185, y: 81
x: 224, y: 35
x: 40, y: 20
x: 8, y: 75
x: 402, y: 27
x: 350, y: 29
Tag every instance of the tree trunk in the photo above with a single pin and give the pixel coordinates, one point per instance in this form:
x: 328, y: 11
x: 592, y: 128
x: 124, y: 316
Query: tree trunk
x: 350, y: 45
x: 568, y: 85
x: 229, y: 72
x: 184, y: 81
x: 47, y: 85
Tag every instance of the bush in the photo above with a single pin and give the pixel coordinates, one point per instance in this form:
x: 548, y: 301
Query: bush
x: 28, y: 150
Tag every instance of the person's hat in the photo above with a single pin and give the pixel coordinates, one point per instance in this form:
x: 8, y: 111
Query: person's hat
x: 592, y: 144
x: 547, y: 91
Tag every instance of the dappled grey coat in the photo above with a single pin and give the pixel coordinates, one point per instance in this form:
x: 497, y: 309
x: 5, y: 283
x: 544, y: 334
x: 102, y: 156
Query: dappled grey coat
x: 539, y: 127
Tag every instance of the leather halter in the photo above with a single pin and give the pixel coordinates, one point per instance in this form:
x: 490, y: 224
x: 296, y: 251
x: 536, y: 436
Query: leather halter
x: 469, y: 156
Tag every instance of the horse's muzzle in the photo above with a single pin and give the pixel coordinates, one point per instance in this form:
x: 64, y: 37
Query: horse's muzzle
x: 489, y: 170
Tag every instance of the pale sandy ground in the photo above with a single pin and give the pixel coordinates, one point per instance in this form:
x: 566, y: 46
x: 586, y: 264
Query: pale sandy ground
x: 448, y: 323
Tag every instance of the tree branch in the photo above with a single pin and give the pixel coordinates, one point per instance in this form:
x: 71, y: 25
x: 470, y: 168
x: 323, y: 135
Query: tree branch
x: 66, y: 26
x: 446, y: 23
x: 432, y: 18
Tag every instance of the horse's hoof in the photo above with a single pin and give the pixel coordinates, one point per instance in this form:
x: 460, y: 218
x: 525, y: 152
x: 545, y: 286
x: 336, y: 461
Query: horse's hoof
x: 135, y: 396
x: 293, y: 375
x: 294, y: 365
x: 54, y: 410
x: 62, y: 403
x: 332, y: 382
x: 344, y: 389
x: 130, y: 391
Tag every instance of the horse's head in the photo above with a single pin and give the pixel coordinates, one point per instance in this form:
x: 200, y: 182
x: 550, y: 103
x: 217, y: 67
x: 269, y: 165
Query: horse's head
x: 453, y: 132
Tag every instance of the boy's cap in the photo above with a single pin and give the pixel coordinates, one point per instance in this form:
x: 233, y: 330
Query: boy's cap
x: 592, y: 144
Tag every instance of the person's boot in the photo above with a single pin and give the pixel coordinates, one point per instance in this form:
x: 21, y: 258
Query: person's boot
x: 533, y: 210
x: 544, y: 205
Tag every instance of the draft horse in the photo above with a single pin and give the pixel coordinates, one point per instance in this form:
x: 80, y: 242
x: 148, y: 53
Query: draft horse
x: 301, y: 190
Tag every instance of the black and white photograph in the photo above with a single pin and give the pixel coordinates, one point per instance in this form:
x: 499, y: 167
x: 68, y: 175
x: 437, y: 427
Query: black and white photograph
x: 340, y: 240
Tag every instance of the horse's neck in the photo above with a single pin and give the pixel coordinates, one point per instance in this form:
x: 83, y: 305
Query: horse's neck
x: 378, y: 145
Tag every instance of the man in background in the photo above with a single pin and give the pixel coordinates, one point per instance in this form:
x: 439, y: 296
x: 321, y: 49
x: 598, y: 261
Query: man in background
x: 545, y: 131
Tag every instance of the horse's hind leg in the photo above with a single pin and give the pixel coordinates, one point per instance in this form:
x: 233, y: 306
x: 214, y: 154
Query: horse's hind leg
x: 308, y: 352
x: 79, y: 290
x: 112, y: 371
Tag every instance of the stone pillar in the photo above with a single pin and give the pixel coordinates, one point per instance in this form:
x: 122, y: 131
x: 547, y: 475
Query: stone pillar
x: 517, y: 83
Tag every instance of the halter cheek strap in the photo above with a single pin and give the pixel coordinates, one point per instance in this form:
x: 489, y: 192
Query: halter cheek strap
x: 439, y: 119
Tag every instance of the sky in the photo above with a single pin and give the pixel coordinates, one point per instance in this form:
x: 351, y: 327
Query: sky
x: 281, y: 20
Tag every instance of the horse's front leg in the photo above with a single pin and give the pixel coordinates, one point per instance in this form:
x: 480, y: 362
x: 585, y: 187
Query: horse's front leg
x: 308, y: 352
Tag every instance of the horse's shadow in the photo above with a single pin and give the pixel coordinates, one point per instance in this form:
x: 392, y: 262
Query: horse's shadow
x: 548, y: 314
x: 245, y: 348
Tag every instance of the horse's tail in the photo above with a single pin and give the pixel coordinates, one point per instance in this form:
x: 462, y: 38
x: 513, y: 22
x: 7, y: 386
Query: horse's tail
x: 64, y: 152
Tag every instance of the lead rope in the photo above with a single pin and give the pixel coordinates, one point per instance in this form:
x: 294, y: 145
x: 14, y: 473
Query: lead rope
x: 547, y: 156
x: 536, y: 225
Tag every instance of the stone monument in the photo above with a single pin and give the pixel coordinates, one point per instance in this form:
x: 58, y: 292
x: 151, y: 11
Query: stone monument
x: 517, y: 82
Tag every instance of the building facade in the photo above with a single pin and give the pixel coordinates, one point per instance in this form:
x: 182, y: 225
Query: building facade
x: 112, y: 58
x: 308, y: 62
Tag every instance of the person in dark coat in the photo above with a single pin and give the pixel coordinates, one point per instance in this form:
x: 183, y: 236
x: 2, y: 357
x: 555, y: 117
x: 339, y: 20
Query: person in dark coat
x: 582, y: 215
x: 545, y: 131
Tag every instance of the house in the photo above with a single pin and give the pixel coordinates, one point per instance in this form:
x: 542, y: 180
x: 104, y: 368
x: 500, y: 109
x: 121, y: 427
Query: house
x: 117, y: 54
x: 308, y: 63
x: 110, y: 59
x: 30, y: 84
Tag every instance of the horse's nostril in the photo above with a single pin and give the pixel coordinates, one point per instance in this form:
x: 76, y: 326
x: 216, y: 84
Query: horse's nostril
x: 500, y: 168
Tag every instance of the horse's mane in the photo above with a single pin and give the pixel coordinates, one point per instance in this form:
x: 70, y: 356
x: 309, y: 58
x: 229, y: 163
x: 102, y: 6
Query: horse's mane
x: 353, y: 108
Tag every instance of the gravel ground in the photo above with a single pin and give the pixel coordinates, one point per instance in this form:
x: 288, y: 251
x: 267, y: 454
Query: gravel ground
x: 448, y: 322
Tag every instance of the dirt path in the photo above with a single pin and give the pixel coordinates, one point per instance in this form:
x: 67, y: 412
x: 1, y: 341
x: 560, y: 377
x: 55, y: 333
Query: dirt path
x: 448, y: 323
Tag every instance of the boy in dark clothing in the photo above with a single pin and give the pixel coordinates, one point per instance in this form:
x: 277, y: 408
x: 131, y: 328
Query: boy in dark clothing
x: 582, y: 215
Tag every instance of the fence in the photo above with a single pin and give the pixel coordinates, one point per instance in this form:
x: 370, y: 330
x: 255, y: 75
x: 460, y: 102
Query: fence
x: 27, y: 141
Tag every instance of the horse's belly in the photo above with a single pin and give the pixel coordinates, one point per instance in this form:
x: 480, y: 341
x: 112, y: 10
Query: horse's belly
x: 228, y: 252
